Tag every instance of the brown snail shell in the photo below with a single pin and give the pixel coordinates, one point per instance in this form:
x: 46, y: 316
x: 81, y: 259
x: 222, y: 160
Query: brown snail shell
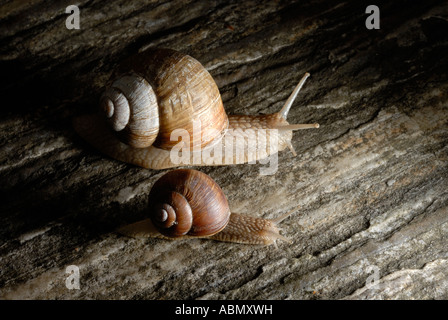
x: 188, y: 202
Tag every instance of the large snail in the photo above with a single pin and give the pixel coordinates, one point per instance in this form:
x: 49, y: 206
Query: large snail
x: 160, y: 91
x: 186, y: 203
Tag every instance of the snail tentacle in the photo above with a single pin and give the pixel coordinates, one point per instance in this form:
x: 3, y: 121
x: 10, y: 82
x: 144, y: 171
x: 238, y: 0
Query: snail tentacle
x: 287, y: 106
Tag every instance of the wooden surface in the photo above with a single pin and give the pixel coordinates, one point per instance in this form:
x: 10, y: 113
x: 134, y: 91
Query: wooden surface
x: 371, y: 182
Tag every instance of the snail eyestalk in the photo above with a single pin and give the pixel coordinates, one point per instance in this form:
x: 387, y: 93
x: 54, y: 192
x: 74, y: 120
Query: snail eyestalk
x: 285, y: 110
x: 298, y: 126
x: 275, y: 235
x: 286, y: 215
x: 283, y: 113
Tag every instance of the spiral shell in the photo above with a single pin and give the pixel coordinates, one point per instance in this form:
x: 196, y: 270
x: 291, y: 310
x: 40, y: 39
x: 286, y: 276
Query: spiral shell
x: 188, y: 202
x: 130, y: 105
x: 159, y: 91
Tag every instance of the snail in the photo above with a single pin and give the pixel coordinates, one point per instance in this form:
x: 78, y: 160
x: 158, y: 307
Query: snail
x: 158, y: 92
x: 186, y: 203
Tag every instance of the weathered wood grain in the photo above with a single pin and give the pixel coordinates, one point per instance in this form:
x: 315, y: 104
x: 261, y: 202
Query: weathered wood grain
x: 371, y: 182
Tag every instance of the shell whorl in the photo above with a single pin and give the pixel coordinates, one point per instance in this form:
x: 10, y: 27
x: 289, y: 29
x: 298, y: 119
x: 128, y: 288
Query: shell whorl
x: 188, y: 202
x: 130, y: 106
x: 186, y: 95
x: 172, y: 215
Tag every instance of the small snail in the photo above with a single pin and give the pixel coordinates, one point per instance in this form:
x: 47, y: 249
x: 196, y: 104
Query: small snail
x: 159, y: 91
x: 186, y: 203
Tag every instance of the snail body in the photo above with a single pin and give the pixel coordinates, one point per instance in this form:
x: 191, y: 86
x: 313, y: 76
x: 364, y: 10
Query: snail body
x: 186, y: 203
x: 159, y: 91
